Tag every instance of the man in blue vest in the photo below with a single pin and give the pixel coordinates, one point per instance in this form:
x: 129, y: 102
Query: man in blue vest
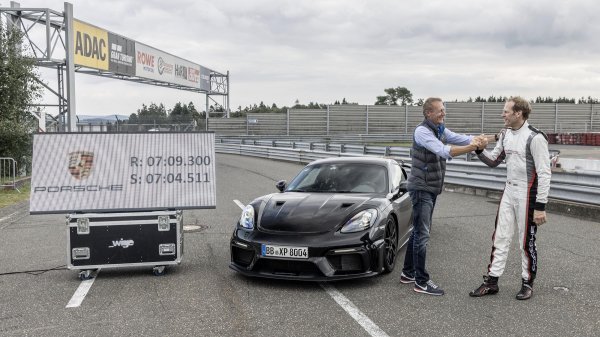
x: 429, y: 153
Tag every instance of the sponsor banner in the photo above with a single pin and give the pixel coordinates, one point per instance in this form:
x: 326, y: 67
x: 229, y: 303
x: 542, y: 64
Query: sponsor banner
x: 146, y: 63
x: 82, y: 172
x: 121, y: 55
x: 91, y: 46
x: 187, y: 73
x: 156, y: 65
x: 204, y: 78
x: 99, y: 49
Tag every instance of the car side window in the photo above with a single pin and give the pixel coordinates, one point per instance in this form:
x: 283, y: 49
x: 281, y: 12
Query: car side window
x: 396, y: 176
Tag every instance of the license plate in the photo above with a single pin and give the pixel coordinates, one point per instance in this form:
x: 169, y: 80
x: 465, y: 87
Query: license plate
x: 285, y: 251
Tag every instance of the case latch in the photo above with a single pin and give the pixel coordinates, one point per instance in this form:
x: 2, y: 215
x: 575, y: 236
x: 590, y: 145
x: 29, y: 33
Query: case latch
x: 83, y: 226
x: 166, y: 249
x: 81, y: 253
x: 163, y: 223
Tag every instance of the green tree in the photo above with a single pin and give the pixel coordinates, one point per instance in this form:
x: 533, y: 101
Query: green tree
x: 393, y: 95
x: 180, y: 114
x: 18, y: 90
x: 133, y: 119
x: 153, y: 114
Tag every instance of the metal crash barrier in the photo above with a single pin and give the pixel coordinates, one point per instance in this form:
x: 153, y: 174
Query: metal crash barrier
x: 580, y: 187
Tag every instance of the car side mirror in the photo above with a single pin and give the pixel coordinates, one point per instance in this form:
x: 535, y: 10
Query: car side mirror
x: 281, y: 185
x: 403, y: 188
x: 398, y: 191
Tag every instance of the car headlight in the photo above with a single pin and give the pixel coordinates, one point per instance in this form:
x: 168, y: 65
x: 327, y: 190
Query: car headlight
x: 361, y: 221
x: 247, y: 218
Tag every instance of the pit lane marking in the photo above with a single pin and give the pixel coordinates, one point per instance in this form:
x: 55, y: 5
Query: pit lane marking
x: 82, y: 291
x: 365, y: 322
x: 240, y: 205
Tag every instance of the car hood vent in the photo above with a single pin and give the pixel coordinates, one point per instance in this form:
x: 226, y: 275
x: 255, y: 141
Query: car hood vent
x: 308, y: 213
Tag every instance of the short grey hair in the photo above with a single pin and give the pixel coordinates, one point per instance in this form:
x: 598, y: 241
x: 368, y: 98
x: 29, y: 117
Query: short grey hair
x: 428, y: 105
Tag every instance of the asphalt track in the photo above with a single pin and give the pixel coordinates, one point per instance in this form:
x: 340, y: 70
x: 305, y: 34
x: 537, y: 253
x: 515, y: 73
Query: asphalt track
x: 203, y: 297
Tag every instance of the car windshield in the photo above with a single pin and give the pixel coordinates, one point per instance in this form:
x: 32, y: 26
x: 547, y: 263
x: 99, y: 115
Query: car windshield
x: 341, y: 178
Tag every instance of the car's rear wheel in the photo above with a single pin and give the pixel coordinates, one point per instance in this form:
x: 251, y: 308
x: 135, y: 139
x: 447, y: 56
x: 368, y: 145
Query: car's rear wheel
x: 390, y: 243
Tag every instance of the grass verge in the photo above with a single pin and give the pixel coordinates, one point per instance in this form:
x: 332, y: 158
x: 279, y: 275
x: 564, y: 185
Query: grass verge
x: 10, y: 197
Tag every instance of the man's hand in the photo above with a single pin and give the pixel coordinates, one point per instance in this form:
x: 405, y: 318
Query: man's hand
x: 480, y: 142
x: 539, y: 217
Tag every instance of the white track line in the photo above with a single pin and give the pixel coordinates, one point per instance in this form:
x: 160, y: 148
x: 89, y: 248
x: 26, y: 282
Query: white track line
x: 362, y: 319
x: 240, y: 205
x: 80, y: 293
x: 8, y: 216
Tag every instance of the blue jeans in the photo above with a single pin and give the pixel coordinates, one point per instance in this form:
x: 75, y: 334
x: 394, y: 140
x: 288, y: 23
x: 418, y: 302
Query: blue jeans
x: 416, y: 249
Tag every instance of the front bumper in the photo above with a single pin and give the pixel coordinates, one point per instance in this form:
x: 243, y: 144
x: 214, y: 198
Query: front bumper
x: 331, y: 256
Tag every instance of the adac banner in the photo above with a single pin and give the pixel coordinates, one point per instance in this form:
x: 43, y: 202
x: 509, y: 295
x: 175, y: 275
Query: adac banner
x: 99, y: 49
x: 91, y: 46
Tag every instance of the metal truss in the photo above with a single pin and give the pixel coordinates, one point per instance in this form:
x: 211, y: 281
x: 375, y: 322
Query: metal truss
x: 44, y: 31
x: 43, y: 34
x: 219, y: 86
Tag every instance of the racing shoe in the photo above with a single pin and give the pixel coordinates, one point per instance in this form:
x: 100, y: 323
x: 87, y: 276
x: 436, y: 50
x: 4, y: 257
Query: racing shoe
x: 526, y: 290
x: 428, y: 288
x: 406, y: 279
x: 488, y: 287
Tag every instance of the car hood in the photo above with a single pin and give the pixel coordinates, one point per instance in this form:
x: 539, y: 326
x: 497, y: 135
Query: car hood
x: 310, y: 213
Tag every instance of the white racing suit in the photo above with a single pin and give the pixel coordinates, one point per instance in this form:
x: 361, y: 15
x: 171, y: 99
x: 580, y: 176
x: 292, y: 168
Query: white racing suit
x: 527, y: 187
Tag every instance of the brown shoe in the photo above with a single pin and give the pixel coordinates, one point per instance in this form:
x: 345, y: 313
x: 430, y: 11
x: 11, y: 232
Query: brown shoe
x: 526, y: 290
x: 489, y: 287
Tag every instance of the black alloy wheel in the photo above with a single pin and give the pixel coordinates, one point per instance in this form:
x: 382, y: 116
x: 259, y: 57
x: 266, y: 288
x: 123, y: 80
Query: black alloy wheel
x: 390, y: 245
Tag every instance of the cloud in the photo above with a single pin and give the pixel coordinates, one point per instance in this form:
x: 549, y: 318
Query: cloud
x: 326, y: 50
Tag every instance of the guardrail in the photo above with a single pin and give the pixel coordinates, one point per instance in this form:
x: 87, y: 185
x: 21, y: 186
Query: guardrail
x: 581, y: 187
x: 8, y: 171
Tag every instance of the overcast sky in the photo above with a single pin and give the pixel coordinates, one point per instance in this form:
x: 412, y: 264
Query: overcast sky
x: 278, y: 51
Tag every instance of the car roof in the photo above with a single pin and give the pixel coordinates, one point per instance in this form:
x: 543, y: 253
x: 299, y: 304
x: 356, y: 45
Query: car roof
x: 361, y: 160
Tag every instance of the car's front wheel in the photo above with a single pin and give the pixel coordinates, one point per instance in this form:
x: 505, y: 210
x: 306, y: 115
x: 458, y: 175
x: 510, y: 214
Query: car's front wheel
x: 390, y: 245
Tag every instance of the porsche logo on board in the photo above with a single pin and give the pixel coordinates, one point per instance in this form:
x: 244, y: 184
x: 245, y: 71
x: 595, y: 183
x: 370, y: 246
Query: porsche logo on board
x: 80, y: 164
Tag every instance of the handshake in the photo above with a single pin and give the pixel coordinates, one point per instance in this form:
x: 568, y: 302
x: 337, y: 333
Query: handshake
x: 480, y: 142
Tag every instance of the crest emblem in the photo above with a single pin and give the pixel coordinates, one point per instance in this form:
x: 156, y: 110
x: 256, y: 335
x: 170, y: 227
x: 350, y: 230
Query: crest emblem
x: 80, y: 164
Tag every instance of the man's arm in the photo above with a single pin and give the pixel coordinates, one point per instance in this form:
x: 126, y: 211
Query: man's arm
x: 457, y: 150
x: 424, y: 137
x: 464, y: 144
x: 541, y: 159
x: 497, y: 155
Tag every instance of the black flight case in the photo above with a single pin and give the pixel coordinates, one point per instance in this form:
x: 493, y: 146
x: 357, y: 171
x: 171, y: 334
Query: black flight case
x: 112, y: 240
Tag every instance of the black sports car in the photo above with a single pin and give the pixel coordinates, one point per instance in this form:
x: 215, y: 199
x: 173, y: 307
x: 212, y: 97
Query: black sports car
x: 339, y: 218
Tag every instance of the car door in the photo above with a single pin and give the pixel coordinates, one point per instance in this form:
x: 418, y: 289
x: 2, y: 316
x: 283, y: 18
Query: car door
x: 401, y: 204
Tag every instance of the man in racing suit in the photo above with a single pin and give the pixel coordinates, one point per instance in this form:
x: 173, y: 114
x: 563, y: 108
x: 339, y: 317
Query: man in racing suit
x: 525, y: 196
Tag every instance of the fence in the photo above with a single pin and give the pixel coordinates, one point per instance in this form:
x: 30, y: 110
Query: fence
x: 472, y: 118
x: 575, y: 187
x: 8, y: 173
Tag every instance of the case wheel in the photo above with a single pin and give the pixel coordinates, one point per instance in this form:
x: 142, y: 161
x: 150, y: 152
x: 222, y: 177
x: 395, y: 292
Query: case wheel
x: 85, y: 275
x: 159, y: 270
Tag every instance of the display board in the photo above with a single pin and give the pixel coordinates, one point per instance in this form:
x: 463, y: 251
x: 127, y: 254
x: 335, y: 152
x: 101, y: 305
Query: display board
x: 112, y: 172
